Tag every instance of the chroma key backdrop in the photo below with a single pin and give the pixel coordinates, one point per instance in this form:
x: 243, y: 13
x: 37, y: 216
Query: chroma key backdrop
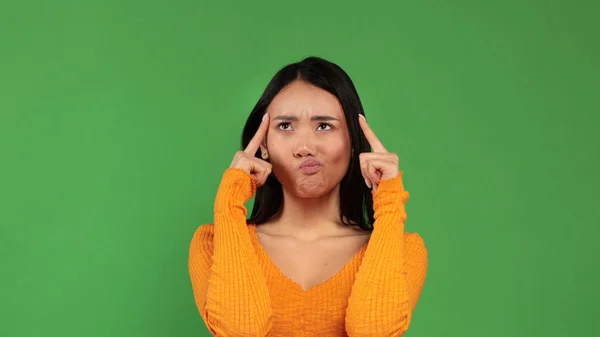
x: 118, y: 118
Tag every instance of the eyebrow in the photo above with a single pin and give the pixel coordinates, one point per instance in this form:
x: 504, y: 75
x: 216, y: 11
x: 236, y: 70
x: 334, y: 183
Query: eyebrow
x: 321, y: 118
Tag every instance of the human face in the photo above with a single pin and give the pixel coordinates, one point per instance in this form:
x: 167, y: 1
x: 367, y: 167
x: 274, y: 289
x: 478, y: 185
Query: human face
x: 308, y: 142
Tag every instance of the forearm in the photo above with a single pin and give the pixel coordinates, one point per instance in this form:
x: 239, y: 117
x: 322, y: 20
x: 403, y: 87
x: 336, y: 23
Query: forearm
x: 379, y: 303
x: 238, y: 302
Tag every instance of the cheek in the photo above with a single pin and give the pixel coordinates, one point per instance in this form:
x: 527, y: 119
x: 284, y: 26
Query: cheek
x: 339, y: 150
x: 341, y: 160
x: 277, y: 148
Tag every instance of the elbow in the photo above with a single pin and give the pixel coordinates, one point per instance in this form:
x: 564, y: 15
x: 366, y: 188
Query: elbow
x: 388, y: 332
x: 232, y: 332
x: 227, y: 327
x: 376, y: 326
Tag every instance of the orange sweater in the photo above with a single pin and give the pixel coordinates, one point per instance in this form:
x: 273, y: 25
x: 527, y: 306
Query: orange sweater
x: 239, y: 292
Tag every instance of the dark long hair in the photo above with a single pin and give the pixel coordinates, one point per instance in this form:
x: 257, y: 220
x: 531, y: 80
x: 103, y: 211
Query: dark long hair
x: 356, y: 201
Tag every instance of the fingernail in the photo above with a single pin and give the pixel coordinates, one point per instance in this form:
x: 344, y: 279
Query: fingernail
x: 264, y: 116
x: 367, y: 182
x: 362, y: 116
x: 374, y: 188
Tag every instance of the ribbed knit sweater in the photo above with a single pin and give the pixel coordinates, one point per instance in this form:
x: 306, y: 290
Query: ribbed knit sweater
x: 240, y: 292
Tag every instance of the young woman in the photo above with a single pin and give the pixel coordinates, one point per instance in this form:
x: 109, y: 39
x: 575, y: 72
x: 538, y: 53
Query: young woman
x: 324, y: 251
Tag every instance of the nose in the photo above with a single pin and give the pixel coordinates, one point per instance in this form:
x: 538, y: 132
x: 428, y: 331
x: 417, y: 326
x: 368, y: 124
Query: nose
x: 304, y: 150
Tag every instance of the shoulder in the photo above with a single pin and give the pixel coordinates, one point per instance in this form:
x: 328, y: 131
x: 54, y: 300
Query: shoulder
x: 415, y: 244
x: 204, y: 231
x: 202, y: 240
x: 414, y: 238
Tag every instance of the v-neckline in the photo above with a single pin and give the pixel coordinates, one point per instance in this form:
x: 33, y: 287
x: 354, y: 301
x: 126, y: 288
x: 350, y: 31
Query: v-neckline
x: 263, y: 255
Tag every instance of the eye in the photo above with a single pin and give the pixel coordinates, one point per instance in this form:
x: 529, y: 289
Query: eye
x: 284, y: 126
x: 324, y: 126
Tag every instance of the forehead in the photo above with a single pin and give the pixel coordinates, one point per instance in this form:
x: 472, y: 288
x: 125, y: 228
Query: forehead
x: 301, y: 98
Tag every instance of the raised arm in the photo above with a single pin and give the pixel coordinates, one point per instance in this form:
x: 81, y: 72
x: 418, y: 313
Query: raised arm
x: 392, y: 273
x: 229, y: 288
x: 391, y: 276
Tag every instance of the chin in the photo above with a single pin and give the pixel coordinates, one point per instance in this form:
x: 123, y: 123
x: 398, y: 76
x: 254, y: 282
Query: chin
x: 308, y: 192
x: 307, y: 186
x: 313, y: 186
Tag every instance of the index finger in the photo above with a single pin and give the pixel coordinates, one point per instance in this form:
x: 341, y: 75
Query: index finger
x: 255, y: 142
x: 370, y: 135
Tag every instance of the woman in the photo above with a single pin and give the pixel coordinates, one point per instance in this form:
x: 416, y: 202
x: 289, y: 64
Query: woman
x: 324, y: 252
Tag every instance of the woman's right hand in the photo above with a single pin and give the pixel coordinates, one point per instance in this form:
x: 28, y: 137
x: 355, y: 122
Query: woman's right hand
x: 246, y: 160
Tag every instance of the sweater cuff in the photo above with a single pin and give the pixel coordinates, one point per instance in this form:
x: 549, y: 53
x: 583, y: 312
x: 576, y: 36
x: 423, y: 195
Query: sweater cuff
x: 390, y: 195
x: 236, y: 188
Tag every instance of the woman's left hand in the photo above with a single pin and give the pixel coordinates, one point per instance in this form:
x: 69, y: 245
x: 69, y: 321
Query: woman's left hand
x: 377, y: 165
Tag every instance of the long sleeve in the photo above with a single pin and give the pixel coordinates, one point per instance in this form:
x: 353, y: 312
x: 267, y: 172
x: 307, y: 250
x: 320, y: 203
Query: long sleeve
x: 229, y: 288
x: 392, y: 273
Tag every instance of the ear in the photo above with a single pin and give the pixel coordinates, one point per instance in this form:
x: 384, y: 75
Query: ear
x: 263, y: 152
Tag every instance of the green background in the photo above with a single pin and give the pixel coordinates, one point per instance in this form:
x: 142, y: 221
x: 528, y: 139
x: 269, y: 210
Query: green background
x: 119, y: 117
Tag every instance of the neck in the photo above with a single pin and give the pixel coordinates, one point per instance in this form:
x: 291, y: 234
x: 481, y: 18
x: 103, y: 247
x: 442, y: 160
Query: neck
x: 310, y: 216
